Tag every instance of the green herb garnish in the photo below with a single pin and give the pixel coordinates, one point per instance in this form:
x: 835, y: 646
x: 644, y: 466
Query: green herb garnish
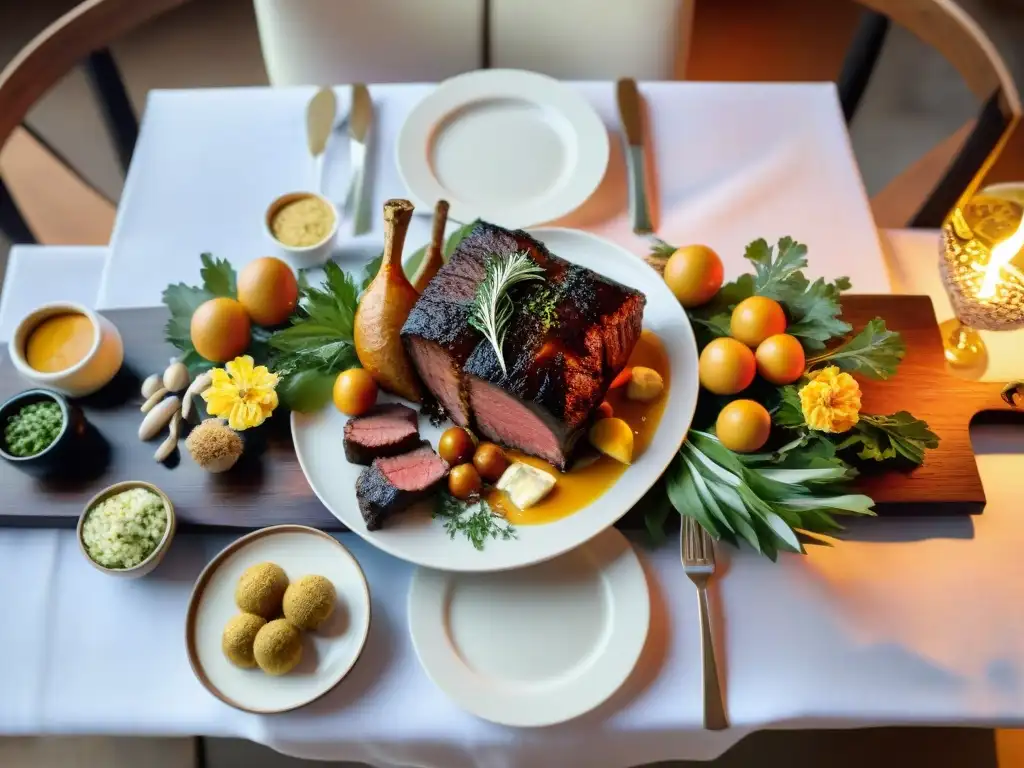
x: 762, y: 499
x: 474, y: 519
x: 492, y: 306
x: 875, y: 352
x: 880, y: 438
x: 318, y: 345
x: 543, y: 306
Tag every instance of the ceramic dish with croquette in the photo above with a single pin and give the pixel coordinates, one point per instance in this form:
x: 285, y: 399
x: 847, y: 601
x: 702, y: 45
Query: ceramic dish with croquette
x: 277, y: 619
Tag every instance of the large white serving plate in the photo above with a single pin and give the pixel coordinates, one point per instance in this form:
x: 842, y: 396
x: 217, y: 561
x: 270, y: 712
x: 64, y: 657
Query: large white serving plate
x: 328, y: 653
x: 538, y: 646
x: 415, y: 537
x: 514, y: 148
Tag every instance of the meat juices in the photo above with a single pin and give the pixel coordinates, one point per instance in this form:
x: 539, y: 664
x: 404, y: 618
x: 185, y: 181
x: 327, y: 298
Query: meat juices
x: 385, y: 430
x: 395, y: 483
x: 571, y: 335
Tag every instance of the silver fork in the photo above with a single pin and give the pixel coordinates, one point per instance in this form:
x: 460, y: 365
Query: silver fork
x: 698, y: 554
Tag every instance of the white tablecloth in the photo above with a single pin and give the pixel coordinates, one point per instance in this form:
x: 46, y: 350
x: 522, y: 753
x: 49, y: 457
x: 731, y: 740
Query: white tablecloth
x: 906, y: 622
x: 734, y: 162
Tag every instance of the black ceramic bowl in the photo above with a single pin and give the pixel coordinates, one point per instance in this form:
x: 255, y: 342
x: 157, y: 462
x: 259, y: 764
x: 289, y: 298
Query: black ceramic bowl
x: 58, y: 453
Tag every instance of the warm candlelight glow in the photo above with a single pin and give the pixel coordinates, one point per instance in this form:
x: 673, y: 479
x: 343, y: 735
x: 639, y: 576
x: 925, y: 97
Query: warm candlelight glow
x: 1001, y: 256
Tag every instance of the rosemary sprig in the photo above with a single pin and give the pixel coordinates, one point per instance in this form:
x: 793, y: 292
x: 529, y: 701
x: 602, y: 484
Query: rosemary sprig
x: 474, y: 520
x: 492, y: 307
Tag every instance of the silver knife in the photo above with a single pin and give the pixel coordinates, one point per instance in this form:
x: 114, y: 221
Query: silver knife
x: 632, y: 121
x: 359, y: 121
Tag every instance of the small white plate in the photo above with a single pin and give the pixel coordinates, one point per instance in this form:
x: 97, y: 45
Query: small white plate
x: 327, y: 655
x: 515, y: 148
x: 539, y: 645
x: 413, y: 536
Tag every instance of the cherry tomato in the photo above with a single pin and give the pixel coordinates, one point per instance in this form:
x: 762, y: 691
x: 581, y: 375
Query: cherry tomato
x: 694, y: 274
x: 464, y: 481
x: 726, y: 366
x: 743, y: 426
x: 355, y: 391
x: 780, y: 359
x: 490, y: 461
x: 456, y: 446
x: 755, y: 319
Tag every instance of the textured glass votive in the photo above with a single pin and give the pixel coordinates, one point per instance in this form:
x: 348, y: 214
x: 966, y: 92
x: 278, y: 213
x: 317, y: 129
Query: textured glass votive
x: 980, y: 255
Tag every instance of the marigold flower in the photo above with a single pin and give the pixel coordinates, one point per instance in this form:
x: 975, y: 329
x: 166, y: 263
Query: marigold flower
x: 241, y: 393
x: 830, y: 400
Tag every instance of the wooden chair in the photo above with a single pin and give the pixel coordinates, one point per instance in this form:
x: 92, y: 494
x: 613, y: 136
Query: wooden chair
x: 78, y: 37
x: 925, y: 192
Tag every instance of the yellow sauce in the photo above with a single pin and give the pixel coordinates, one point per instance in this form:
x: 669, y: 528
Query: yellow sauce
x: 59, y: 342
x: 579, y: 487
x: 303, y: 222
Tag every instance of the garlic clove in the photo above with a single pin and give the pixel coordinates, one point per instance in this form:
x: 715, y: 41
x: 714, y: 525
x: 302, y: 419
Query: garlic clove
x: 151, y: 385
x: 158, y: 417
x: 176, y: 377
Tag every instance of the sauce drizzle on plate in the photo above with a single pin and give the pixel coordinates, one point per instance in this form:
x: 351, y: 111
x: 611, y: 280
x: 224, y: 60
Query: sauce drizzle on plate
x: 582, y: 485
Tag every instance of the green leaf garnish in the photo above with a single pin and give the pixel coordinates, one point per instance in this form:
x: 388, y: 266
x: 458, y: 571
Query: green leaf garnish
x: 318, y: 345
x: 766, y: 500
x: 473, y: 519
x: 880, y: 438
x: 875, y: 352
x: 218, y: 276
x: 492, y: 308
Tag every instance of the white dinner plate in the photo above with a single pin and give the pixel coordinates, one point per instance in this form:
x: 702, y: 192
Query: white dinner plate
x: 328, y: 653
x: 413, y: 536
x: 537, y: 646
x: 514, y: 148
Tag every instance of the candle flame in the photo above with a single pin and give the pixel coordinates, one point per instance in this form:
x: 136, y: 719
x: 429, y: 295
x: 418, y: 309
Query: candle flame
x: 1001, y: 256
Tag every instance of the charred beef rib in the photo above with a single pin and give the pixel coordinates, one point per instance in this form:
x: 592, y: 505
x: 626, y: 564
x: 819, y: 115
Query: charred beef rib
x: 394, y: 483
x: 570, y: 336
x: 387, y: 429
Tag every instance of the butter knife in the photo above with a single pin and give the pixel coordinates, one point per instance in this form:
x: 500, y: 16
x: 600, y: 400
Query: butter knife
x: 359, y: 121
x: 630, y: 113
x: 320, y: 115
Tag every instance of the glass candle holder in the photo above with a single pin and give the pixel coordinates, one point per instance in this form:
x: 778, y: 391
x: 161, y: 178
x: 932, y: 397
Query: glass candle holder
x: 981, y: 256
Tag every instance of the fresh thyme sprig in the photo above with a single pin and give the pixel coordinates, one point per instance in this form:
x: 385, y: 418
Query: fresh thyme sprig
x: 474, y: 520
x: 492, y: 307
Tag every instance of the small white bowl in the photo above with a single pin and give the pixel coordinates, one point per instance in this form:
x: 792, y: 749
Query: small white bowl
x: 89, y: 374
x: 156, y: 555
x: 301, y: 257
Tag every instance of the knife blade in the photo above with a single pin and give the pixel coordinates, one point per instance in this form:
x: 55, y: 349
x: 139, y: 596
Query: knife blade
x: 359, y: 122
x: 320, y: 115
x: 630, y: 113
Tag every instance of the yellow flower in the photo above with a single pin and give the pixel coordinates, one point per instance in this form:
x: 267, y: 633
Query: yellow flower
x: 241, y: 393
x: 830, y: 400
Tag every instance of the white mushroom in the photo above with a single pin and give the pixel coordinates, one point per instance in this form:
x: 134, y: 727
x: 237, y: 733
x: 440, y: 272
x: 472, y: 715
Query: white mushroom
x: 176, y: 377
x: 151, y: 385
x: 154, y: 398
x: 200, y: 385
x: 167, y: 446
x: 159, y: 417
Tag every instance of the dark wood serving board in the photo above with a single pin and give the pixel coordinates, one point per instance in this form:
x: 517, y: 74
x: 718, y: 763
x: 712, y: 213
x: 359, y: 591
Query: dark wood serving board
x: 267, y: 487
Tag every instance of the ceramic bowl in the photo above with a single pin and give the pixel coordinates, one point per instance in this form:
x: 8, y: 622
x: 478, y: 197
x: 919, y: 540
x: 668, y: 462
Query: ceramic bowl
x: 58, y: 453
x: 156, y: 555
x: 91, y: 373
x: 304, y: 256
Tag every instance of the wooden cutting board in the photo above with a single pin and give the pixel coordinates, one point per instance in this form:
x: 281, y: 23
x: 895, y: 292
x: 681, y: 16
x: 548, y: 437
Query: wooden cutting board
x: 268, y: 487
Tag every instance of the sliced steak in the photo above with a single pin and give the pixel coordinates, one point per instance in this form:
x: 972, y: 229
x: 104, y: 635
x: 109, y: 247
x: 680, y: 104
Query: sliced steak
x: 387, y: 429
x: 395, y: 483
x: 573, y: 334
x: 437, y: 333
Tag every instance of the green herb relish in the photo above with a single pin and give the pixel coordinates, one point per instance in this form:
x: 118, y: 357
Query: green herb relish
x: 33, y: 428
